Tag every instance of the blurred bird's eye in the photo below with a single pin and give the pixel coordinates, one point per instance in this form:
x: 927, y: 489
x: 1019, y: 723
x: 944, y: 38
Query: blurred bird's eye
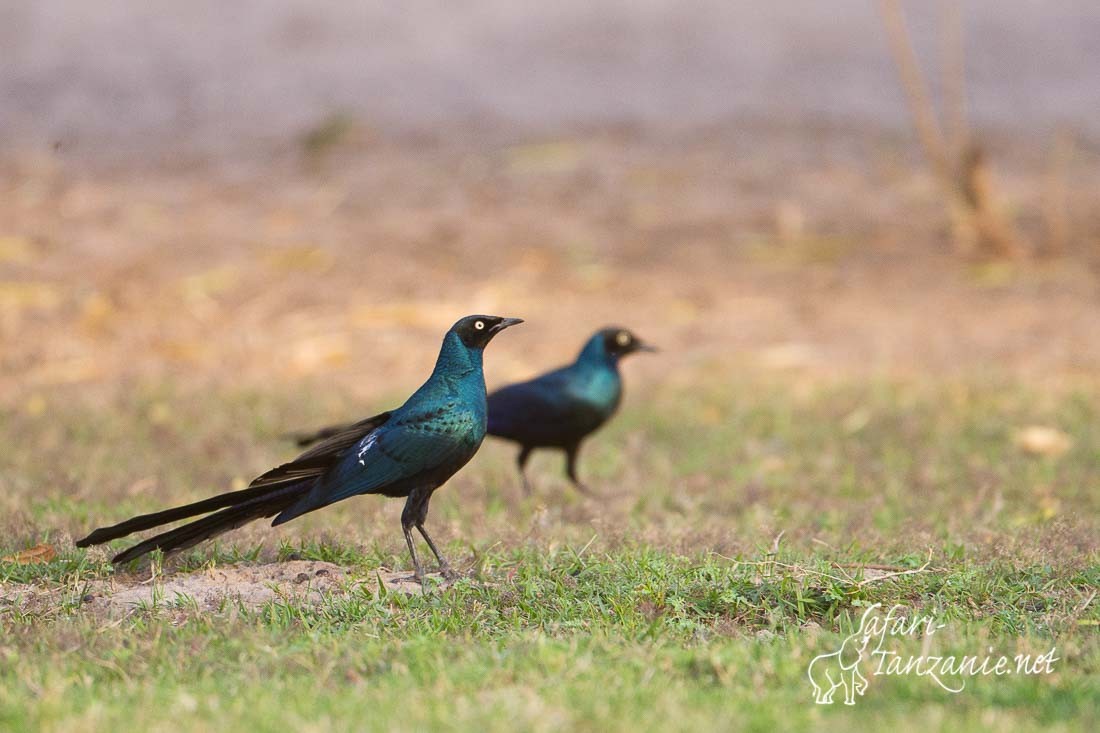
x: 479, y: 325
x: 622, y: 338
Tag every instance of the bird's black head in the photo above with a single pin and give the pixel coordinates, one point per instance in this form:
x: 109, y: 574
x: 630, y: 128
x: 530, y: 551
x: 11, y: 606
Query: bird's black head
x: 477, y: 331
x: 621, y: 341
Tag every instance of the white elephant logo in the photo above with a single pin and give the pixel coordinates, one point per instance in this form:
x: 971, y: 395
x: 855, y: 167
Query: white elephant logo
x: 827, y: 672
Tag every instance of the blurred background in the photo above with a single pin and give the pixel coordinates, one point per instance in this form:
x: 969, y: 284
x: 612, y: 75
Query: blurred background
x: 121, y: 76
x: 865, y: 235
x: 293, y: 190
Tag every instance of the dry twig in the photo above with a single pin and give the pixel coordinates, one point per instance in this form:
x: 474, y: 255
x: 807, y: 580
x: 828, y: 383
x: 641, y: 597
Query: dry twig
x: 960, y: 163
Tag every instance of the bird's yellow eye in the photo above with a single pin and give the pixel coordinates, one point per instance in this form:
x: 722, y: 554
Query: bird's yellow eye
x: 479, y: 325
x: 622, y: 338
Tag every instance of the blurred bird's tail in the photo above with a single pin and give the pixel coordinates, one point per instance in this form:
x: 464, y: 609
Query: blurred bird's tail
x: 236, y: 509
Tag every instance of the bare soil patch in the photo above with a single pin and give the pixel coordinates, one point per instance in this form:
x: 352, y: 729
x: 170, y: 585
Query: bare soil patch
x: 214, y: 589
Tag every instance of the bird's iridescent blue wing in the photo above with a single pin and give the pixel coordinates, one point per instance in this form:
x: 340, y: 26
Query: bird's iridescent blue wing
x: 405, y: 450
x: 554, y: 408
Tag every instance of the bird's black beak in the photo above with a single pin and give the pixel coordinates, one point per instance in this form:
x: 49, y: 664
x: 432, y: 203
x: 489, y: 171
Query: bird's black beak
x: 642, y: 346
x: 505, y: 323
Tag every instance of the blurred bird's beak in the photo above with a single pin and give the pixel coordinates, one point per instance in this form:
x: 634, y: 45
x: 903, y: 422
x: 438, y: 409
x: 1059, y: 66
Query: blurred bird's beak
x: 645, y: 347
x: 505, y: 323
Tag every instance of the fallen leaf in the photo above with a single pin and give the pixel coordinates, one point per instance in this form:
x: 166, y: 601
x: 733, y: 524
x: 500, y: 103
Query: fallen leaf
x: 1042, y: 440
x: 856, y: 420
x: 32, y: 556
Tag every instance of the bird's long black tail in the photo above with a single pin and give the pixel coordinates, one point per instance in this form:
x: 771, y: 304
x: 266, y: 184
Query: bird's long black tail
x: 237, y: 508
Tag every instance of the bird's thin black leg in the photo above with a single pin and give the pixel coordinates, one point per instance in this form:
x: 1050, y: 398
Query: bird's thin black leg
x: 444, y: 566
x: 418, y: 574
x: 571, y: 469
x: 521, y: 462
x: 409, y: 517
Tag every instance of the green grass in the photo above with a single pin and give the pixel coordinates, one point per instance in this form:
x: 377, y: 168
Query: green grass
x: 674, y: 604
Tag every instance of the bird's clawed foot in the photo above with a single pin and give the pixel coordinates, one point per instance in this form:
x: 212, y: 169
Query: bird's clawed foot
x: 449, y: 574
x: 421, y: 578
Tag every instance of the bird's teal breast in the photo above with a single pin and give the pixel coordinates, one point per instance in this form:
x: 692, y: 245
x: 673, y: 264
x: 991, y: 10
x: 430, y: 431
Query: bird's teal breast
x: 601, y: 388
